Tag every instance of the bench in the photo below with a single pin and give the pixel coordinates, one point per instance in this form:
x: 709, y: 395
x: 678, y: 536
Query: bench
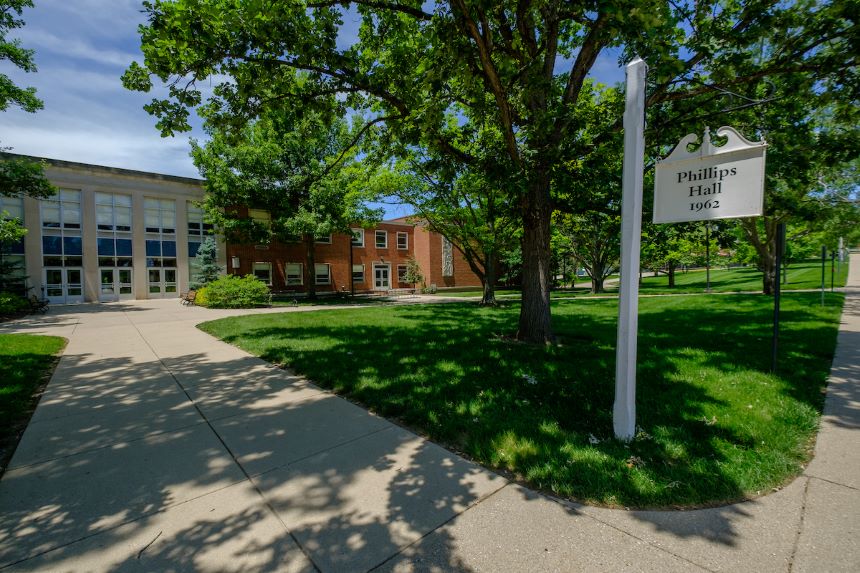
x: 188, y: 298
x: 38, y: 304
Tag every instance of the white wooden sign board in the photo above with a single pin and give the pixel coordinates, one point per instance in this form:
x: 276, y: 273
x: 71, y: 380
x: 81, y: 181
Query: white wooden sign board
x: 712, y: 182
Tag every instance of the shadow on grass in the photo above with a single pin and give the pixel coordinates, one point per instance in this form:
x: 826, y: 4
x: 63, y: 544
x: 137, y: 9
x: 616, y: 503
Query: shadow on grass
x: 544, y: 413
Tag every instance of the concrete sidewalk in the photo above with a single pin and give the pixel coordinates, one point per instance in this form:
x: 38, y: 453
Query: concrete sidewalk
x: 158, y: 448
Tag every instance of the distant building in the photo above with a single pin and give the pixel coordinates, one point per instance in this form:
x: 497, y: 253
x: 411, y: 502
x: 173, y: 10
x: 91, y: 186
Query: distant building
x: 113, y: 234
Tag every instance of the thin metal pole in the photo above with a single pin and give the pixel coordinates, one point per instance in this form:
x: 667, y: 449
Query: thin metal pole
x: 780, y: 245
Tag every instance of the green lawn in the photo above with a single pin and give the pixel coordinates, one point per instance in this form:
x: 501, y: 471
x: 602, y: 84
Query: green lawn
x: 801, y: 275
x: 26, y: 362
x: 715, y: 425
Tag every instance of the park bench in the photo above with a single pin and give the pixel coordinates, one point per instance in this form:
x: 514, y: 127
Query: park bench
x: 188, y: 298
x: 38, y: 304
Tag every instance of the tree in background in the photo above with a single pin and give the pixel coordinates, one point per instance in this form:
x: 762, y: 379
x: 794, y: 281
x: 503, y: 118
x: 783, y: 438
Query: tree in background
x: 297, y: 167
x: 18, y: 175
x: 595, y: 242
x: 462, y: 206
x: 208, y: 269
x: 12, y: 277
x: 414, y: 276
x: 432, y: 79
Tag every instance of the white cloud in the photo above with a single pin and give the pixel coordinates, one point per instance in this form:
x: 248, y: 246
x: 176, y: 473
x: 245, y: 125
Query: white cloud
x: 70, y: 47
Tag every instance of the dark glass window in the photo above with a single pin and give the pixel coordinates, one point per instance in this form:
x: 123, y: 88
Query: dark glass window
x: 17, y: 248
x: 153, y: 249
x: 168, y: 248
x: 192, y: 249
x: 106, y: 247
x: 72, y: 246
x: 52, y: 245
x: 123, y: 247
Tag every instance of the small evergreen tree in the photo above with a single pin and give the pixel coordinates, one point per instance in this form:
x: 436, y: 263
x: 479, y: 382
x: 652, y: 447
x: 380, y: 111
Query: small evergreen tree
x: 413, y: 272
x: 207, y: 260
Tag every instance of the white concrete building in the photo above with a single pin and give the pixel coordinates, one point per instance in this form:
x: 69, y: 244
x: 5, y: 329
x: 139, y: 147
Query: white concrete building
x: 110, y: 234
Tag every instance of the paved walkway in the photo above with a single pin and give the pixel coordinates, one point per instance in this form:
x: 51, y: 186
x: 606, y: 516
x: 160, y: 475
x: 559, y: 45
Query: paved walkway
x: 158, y: 448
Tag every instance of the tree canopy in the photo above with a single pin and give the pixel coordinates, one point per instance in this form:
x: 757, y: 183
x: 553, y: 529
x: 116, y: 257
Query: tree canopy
x: 436, y: 76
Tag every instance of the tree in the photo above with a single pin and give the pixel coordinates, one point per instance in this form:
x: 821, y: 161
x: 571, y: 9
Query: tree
x: 521, y: 66
x: 18, y: 175
x: 294, y: 166
x: 462, y: 206
x: 413, y: 272
x: 11, y: 272
x: 208, y: 269
x: 595, y: 241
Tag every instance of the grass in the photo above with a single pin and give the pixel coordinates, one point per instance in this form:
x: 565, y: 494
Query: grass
x: 715, y: 425
x: 26, y: 362
x: 326, y: 300
x: 801, y: 275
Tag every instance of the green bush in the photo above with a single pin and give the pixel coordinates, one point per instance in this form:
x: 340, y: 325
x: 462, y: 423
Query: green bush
x: 202, y: 297
x: 233, y: 292
x: 12, y: 303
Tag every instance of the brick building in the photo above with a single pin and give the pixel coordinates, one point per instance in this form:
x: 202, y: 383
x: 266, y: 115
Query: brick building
x: 112, y: 234
x: 374, y: 259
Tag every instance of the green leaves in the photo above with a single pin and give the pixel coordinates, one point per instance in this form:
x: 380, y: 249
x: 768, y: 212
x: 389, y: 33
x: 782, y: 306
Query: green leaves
x: 11, y: 50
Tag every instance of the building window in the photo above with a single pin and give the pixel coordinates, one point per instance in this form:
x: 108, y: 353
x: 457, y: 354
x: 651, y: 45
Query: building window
x: 263, y: 272
x: 160, y: 253
x: 61, y: 230
x: 197, y: 227
x: 322, y: 274
x: 261, y: 216
x: 381, y: 239
x: 402, y: 240
x: 357, y: 237
x: 114, y: 252
x: 113, y: 223
x: 401, y: 273
x: 324, y: 240
x: 13, y: 207
x: 293, y: 274
x: 159, y: 216
x: 62, y: 211
x: 113, y: 212
x: 358, y: 273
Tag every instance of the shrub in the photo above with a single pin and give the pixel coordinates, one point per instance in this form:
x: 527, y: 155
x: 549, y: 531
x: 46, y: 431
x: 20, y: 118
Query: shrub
x: 12, y: 303
x: 233, y: 292
x: 202, y: 297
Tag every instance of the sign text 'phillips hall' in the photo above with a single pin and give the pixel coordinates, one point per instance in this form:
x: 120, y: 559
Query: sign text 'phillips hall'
x: 712, y: 182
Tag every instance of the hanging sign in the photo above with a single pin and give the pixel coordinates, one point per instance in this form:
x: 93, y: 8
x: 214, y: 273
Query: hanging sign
x: 712, y: 182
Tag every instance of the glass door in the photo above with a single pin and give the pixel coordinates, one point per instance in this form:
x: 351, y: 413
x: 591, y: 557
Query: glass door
x: 64, y: 285
x: 107, y: 288
x: 123, y: 282
x: 115, y: 284
x: 162, y: 282
x: 381, y: 275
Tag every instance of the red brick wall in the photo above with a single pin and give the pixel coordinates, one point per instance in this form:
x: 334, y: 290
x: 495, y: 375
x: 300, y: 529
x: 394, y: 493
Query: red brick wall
x: 336, y: 255
x: 430, y: 258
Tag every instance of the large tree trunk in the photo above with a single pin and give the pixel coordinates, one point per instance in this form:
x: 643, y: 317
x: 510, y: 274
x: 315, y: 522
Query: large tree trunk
x: 310, y: 263
x: 489, y: 282
x: 671, y: 275
x: 597, y: 283
x: 535, y: 323
x: 765, y: 248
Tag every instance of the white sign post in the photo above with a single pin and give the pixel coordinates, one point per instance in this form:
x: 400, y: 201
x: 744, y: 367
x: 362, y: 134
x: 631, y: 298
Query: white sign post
x: 624, y: 409
x: 712, y: 182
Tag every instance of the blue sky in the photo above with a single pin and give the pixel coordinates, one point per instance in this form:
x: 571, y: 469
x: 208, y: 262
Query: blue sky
x: 82, y: 48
